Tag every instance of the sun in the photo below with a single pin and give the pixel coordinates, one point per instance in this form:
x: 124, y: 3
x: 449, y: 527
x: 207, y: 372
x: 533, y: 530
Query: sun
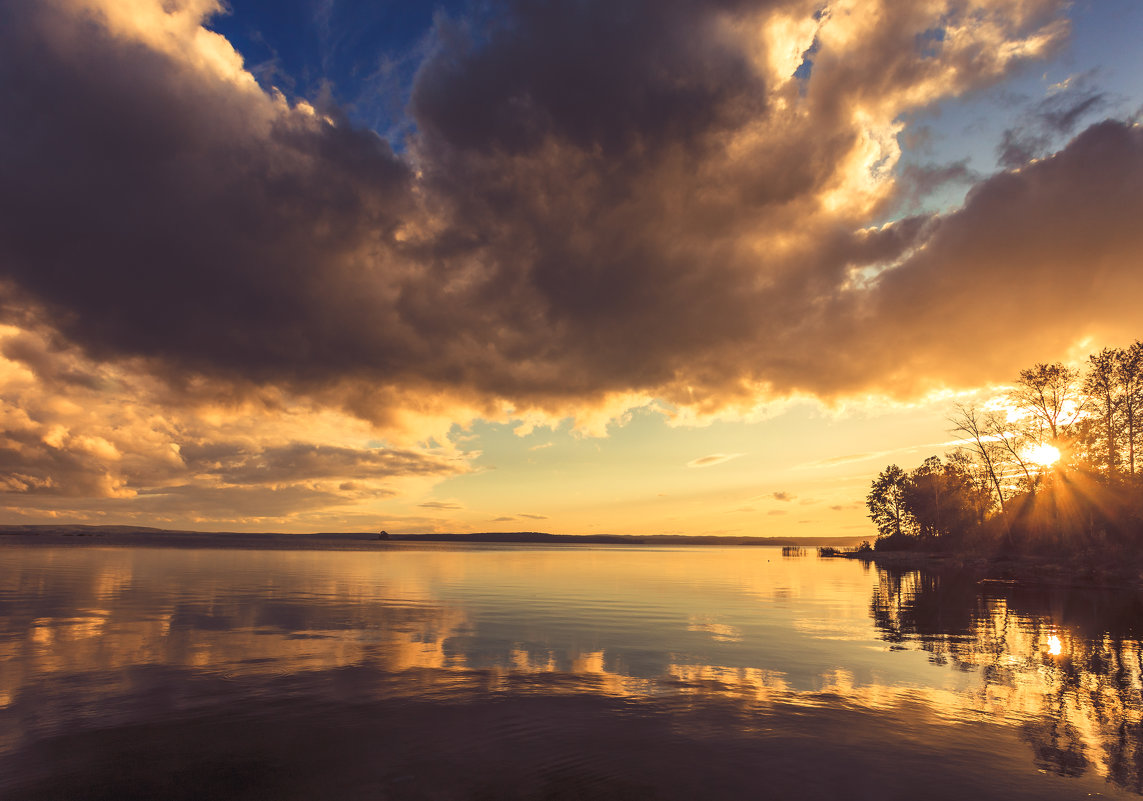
x: 1043, y: 454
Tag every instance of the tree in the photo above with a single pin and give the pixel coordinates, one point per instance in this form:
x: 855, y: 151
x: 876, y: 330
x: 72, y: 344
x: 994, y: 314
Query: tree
x: 976, y: 481
x: 924, y: 496
x: 940, y: 498
x: 1102, y: 386
x: 1011, y: 443
x: 974, y: 428
x: 1129, y: 377
x: 996, y: 487
x: 1050, y: 394
x: 886, y: 502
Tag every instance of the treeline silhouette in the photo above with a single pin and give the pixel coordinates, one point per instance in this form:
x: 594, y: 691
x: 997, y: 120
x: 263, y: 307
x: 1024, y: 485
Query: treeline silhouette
x: 1053, y: 465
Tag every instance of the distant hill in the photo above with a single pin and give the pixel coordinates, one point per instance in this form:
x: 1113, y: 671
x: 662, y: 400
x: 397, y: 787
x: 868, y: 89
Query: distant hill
x: 82, y: 529
x: 143, y: 535
x: 624, y: 539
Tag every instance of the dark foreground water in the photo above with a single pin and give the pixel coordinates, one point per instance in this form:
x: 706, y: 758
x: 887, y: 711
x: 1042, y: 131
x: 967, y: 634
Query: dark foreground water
x: 444, y: 672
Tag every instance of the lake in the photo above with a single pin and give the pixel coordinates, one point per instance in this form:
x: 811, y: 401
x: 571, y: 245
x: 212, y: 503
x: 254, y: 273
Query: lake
x: 445, y: 671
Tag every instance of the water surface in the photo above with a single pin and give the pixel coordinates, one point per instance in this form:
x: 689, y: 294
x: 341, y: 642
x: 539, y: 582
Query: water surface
x: 520, y: 672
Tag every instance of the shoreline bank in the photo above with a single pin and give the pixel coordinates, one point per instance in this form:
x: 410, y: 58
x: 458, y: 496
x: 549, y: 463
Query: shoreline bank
x: 1085, y: 570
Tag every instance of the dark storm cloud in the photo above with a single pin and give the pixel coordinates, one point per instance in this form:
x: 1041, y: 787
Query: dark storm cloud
x: 638, y: 77
x: 595, y: 190
x: 158, y: 213
x: 564, y: 242
x: 596, y: 199
x: 155, y: 212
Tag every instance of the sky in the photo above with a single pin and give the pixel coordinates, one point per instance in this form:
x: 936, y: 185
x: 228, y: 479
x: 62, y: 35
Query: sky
x: 659, y: 266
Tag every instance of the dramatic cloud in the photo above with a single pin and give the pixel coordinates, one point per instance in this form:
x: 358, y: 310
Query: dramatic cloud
x: 692, y: 209
x: 82, y: 439
x: 666, y: 214
x: 1037, y: 261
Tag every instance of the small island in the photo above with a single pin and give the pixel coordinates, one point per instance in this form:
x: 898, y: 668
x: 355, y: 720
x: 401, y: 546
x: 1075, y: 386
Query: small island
x: 1045, y: 483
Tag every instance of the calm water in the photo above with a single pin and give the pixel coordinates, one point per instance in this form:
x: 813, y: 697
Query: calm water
x: 444, y: 672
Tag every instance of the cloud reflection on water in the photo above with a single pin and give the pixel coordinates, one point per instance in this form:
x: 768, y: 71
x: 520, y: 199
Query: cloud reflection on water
x: 82, y: 630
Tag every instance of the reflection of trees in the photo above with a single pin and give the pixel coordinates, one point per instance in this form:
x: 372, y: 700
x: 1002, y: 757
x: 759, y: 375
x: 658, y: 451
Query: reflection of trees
x: 1063, y: 662
x: 915, y: 604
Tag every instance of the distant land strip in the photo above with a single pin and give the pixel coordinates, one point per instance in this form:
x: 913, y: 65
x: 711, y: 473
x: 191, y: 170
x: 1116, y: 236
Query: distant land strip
x: 141, y: 535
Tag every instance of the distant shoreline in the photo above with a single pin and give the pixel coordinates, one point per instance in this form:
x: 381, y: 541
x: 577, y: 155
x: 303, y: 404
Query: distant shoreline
x: 138, y: 536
